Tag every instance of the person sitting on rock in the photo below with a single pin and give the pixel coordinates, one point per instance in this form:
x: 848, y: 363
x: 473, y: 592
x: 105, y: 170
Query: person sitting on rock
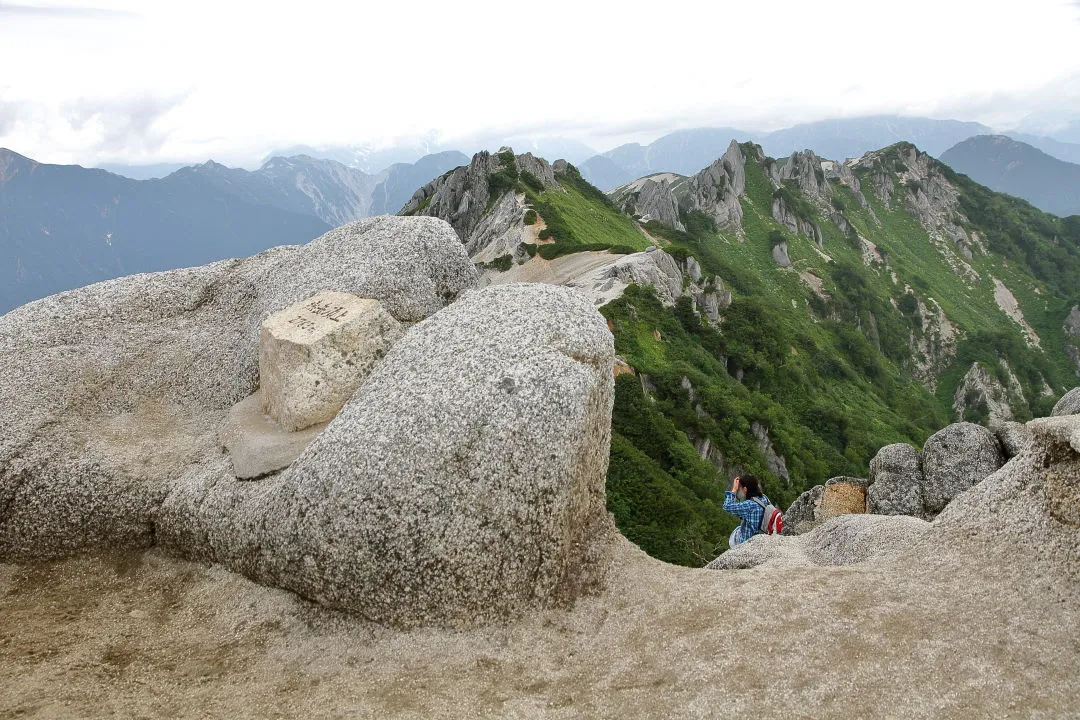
x: 745, y: 500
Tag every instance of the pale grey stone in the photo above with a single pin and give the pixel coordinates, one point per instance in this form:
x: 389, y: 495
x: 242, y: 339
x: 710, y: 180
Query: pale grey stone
x: 113, y: 391
x: 462, y: 483
x: 954, y: 459
x: 1014, y: 437
x: 801, y: 516
x: 716, y: 190
x: 257, y: 444
x: 780, y: 254
x: 896, y: 482
x: 315, y: 353
x: 1069, y: 404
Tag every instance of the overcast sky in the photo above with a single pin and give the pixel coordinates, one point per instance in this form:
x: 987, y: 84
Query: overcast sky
x: 142, y: 82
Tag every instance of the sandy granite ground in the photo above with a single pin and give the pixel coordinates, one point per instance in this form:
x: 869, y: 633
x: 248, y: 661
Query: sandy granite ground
x: 917, y: 635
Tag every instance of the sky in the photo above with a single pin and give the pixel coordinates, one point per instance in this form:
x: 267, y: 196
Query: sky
x: 128, y: 81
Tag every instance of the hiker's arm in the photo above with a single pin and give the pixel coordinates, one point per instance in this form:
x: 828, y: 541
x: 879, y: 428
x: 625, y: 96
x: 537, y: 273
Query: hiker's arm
x: 743, y: 509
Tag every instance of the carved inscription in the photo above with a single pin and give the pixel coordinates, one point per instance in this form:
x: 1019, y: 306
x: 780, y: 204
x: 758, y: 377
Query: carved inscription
x: 320, y: 309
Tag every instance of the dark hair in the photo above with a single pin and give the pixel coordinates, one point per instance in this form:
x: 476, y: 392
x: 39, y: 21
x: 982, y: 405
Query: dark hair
x: 751, y: 484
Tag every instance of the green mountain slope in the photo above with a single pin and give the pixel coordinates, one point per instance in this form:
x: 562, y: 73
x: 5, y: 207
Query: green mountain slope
x: 862, y: 295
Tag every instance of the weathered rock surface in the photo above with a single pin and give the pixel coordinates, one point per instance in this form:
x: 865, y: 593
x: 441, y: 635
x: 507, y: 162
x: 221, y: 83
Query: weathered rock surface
x: 603, y: 277
x: 843, y: 540
x: 315, y: 353
x: 801, y: 516
x: 1069, y: 404
x: 838, y: 496
x: 842, y: 496
x: 654, y: 200
x: 462, y: 483
x: 954, y: 459
x: 716, y: 190
x: 463, y: 198
x: 1071, y: 326
x: 896, y: 482
x: 1015, y: 438
x: 786, y: 216
x: 774, y: 461
x: 114, y: 391
x: 982, y: 394
x: 780, y: 254
x: 257, y: 444
x: 805, y: 169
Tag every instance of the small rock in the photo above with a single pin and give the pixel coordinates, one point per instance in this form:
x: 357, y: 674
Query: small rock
x: 842, y: 496
x: 896, y: 482
x: 314, y: 354
x: 954, y: 459
x: 256, y: 444
x: 1069, y: 404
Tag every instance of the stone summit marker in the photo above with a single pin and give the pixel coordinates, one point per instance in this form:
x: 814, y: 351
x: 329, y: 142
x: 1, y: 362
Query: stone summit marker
x: 314, y: 354
x: 312, y: 357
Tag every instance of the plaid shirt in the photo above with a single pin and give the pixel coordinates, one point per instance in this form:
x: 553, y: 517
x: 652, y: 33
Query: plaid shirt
x: 750, y: 511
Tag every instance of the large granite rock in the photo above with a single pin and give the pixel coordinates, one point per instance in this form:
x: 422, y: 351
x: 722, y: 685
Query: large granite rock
x: 954, y: 459
x: 842, y: 540
x: 896, y: 482
x: 801, y: 515
x: 1069, y: 404
x: 464, y: 482
x: 315, y: 353
x: 114, y: 391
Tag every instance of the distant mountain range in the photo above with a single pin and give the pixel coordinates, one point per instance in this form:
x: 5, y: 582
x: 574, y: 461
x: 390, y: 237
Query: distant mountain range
x: 687, y: 151
x: 1006, y: 165
x: 63, y: 226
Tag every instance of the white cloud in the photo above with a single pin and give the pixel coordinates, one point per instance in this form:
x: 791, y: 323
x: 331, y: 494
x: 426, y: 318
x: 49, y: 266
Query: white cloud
x: 239, y: 78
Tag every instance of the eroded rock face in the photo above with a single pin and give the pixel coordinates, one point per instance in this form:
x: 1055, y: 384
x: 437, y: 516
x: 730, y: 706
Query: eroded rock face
x: 314, y: 354
x: 463, y: 198
x: 1071, y: 326
x: 716, y: 190
x: 954, y: 459
x: 1069, y: 404
x: 801, y: 516
x: 114, y: 391
x: 655, y: 201
x: 842, y: 496
x: 896, y: 482
x: 464, y: 482
x: 983, y: 394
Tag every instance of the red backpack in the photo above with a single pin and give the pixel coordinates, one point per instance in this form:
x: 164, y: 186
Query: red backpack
x: 772, y: 520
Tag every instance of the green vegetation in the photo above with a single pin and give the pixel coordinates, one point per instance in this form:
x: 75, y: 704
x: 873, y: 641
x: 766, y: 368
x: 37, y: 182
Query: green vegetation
x: 530, y: 217
x: 830, y: 375
x: 501, y: 263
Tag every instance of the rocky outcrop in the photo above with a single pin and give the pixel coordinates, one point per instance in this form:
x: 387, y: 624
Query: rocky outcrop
x: 843, y: 540
x: 489, y: 226
x: 933, y: 344
x: 425, y: 501
x: 801, y: 515
x: 784, y: 214
x: 928, y: 195
x: 982, y: 396
x: 805, y: 170
x: 1015, y: 438
x: 1069, y: 404
x: 115, y: 391
x: 896, y: 482
x: 603, y: 277
x: 654, y: 200
x: 780, y: 254
x: 716, y: 190
x: 1071, y: 326
x: 843, y: 172
x: 774, y: 461
x: 838, y: 496
x: 954, y: 459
